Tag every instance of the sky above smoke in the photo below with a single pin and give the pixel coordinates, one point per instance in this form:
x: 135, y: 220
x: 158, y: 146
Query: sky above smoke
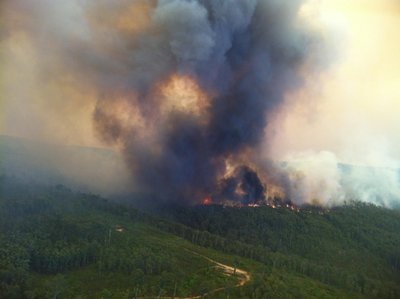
x: 193, y: 93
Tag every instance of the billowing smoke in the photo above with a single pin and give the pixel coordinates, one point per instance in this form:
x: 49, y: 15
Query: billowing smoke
x: 234, y: 59
x: 201, y: 96
x: 319, y: 178
x: 184, y: 88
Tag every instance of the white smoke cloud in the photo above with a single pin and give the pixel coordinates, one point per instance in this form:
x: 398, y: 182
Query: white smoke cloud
x: 314, y: 178
x: 319, y: 178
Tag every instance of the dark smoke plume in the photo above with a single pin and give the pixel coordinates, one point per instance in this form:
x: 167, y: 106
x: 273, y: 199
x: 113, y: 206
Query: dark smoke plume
x: 184, y: 87
x: 189, y: 90
x: 244, y: 55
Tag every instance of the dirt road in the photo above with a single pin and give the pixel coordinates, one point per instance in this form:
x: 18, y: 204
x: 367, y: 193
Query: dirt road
x: 244, y: 277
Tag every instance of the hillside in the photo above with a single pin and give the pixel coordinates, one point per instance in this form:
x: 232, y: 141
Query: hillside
x: 87, y: 169
x: 100, y: 250
x: 59, y: 244
x: 355, y: 247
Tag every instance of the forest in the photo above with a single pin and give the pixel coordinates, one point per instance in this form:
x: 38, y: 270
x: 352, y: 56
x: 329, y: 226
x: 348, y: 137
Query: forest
x: 57, y: 243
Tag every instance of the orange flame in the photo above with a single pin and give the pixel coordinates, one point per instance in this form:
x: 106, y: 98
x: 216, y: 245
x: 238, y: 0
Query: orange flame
x: 207, y: 201
x: 183, y: 94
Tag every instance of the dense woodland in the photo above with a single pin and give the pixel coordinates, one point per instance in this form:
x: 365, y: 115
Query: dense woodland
x: 355, y: 247
x: 56, y: 243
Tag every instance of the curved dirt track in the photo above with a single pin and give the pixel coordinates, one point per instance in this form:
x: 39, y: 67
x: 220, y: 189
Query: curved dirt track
x: 244, y: 277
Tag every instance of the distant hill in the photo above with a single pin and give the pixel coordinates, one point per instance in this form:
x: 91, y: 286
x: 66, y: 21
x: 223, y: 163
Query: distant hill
x: 103, y: 171
x: 88, y: 169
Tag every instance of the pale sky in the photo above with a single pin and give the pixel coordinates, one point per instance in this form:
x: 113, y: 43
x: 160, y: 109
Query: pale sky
x: 352, y: 109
